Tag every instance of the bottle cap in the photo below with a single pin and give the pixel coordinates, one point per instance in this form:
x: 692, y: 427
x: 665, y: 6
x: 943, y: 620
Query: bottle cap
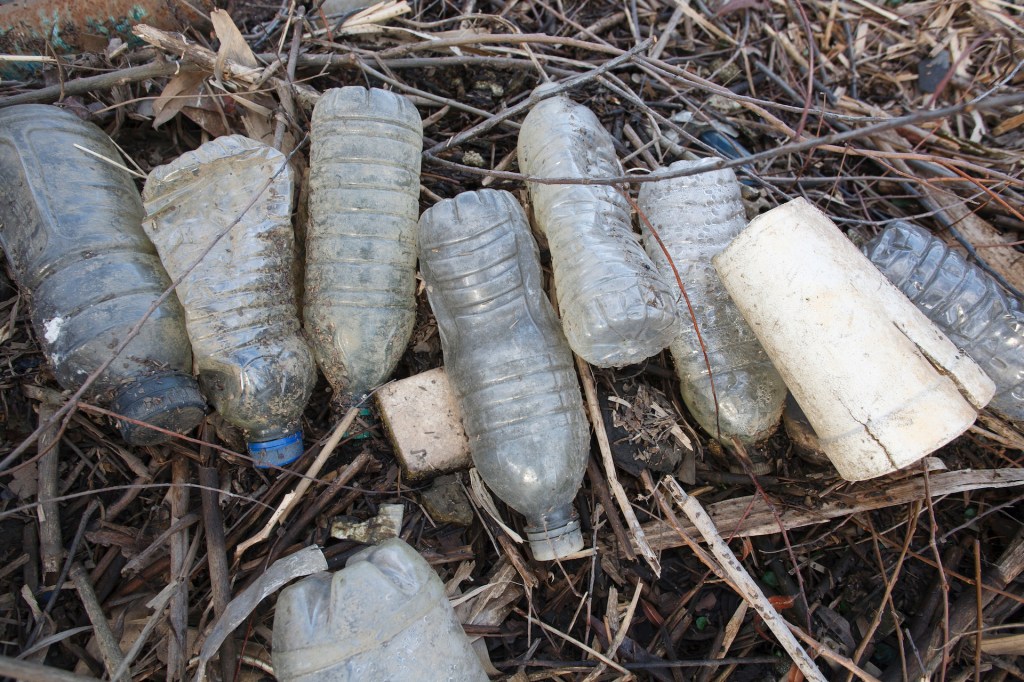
x: 170, y: 401
x: 548, y: 544
x: 278, y: 452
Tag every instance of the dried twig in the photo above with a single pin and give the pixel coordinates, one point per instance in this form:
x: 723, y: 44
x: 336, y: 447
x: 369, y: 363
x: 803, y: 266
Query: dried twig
x: 729, y: 567
x: 109, y: 648
x: 618, y: 492
x: 292, y: 498
x: 573, y: 82
x: 217, y: 560
x: 207, y: 61
x: 733, y: 516
x: 36, y: 672
x: 51, y: 546
x: 93, y: 84
x: 157, y: 603
x: 177, y: 640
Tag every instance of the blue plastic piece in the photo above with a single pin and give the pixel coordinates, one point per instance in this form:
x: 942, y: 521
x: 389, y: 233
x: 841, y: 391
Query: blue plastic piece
x: 727, y: 146
x: 278, y: 452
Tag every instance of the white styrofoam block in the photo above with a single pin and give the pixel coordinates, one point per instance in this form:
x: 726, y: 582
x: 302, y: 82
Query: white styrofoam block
x: 424, y: 423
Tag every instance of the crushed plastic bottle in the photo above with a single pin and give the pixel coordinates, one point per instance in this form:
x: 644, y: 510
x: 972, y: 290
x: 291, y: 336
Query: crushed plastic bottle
x: 383, y: 617
x: 617, y: 309
x: 239, y: 301
x: 364, y: 187
x: 508, y: 362
x: 963, y: 301
x: 70, y: 224
x: 696, y: 216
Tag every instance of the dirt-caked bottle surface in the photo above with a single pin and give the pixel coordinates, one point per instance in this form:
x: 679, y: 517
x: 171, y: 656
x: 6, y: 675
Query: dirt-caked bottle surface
x: 238, y: 291
x: 617, y: 309
x: 508, y: 362
x: 696, y: 216
x: 384, y: 616
x: 71, y: 226
x: 364, y: 187
x: 963, y: 301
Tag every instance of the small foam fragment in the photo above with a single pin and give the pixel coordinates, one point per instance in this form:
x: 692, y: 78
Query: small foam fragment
x: 424, y: 424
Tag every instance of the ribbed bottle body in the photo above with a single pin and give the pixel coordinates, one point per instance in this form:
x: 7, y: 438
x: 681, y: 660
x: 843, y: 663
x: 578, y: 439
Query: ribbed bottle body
x: 696, y: 217
x: 360, y: 283
x: 239, y: 301
x: 505, y: 355
x: 616, y: 308
x: 70, y: 224
x: 963, y: 301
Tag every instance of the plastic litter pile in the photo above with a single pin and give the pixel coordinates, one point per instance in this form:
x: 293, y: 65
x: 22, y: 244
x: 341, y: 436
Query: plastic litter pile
x: 748, y: 311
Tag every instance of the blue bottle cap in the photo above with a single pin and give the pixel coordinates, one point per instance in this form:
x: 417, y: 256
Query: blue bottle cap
x: 278, y: 452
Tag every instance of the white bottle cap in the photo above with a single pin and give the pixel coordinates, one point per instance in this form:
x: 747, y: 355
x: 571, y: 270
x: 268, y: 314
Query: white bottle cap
x: 555, y: 543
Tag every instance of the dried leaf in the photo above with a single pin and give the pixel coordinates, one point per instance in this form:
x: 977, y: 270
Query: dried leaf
x: 25, y: 482
x: 232, y: 43
x: 781, y: 602
x: 208, y: 118
x: 256, y: 117
x: 181, y: 91
x: 483, y: 499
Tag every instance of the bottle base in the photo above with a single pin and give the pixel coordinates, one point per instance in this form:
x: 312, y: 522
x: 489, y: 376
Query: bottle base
x: 171, y: 402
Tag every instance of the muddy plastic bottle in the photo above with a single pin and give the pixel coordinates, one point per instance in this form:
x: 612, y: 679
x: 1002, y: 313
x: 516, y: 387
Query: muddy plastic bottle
x: 239, y: 301
x: 508, y: 362
x: 364, y: 187
x: 383, y: 617
x: 616, y: 308
x: 696, y: 217
x: 963, y: 301
x: 70, y: 224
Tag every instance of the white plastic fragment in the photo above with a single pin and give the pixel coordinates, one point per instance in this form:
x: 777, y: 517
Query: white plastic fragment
x: 880, y: 384
x: 298, y: 565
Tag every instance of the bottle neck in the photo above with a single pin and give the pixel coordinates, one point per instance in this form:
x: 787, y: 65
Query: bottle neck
x: 552, y: 520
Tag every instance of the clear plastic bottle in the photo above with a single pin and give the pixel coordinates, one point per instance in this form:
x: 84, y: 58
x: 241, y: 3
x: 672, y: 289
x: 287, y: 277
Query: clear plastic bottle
x: 508, y: 362
x: 383, y: 617
x: 70, y: 224
x: 963, y: 301
x: 617, y: 309
x: 696, y: 216
x: 239, y: 301
x: 364, y: 187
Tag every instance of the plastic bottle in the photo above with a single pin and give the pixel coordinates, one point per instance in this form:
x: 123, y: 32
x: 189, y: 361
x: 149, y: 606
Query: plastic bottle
x: 616, y: 308
x: 239, y: 301
x: 696, y: 216
x: 383, y: 617
x: 963, y: 301
x: 70, y: 224
x: 364, y: 186
x: 508, y: 362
